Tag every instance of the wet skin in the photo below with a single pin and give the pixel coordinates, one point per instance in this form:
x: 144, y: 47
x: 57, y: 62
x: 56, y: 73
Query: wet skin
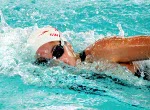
x: 46, y: 51
x: 119, y: 50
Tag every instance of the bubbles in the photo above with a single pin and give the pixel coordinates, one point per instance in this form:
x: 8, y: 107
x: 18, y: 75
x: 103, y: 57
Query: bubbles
x: 68, y: 107
x: 82, y: 39
x: 17, y: 59
x: 2, y: 18
x: 138, y: 2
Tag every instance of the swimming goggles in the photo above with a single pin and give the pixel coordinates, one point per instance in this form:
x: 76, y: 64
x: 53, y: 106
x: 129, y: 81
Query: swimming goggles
x: 57, y: 51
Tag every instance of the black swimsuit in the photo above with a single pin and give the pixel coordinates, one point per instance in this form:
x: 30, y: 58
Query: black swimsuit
x: 82, y: 56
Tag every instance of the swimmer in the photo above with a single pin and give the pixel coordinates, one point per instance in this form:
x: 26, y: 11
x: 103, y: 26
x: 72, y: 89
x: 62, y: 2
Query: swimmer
x: 48, y: 43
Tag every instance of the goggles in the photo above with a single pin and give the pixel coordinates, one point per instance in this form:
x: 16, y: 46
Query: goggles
x: 45, y: 35
x: 58, y: 51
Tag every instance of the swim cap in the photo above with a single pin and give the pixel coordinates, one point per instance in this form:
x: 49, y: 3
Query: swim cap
x: 44, y: 35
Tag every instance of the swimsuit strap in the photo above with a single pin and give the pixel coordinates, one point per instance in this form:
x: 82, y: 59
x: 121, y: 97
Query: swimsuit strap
x: 82, y: 55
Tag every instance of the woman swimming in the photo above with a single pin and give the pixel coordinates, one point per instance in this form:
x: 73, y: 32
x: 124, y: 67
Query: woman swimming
x: 48, y: 43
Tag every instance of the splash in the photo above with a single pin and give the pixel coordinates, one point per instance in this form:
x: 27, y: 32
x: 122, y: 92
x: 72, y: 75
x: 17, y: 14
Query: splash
x: 2, y: 19
x: 17, y: 59
x: 121, y: 32
x: 108, y: 80
x: 3, y: 25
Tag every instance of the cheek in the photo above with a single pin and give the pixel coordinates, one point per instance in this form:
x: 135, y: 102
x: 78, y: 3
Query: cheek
x: 68, y: 58
x: 69, y: 52
x: 70, y: 61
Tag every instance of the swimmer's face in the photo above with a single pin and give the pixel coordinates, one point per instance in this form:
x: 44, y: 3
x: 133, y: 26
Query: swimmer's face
x: 46, y: 51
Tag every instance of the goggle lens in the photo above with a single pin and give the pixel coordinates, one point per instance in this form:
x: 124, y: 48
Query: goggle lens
x: 58, y: 51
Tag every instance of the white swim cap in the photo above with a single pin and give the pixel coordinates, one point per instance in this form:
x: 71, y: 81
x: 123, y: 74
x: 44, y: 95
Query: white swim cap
x: 44, y: 35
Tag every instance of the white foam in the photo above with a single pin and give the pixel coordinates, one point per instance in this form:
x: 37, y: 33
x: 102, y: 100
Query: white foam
x: 121, y: 31
x: 66, y: 107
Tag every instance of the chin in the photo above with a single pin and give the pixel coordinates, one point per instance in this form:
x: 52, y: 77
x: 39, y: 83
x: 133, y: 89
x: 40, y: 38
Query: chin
x: 72, y: 63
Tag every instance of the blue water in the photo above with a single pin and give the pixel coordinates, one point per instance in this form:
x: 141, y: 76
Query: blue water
x: 30, y: 87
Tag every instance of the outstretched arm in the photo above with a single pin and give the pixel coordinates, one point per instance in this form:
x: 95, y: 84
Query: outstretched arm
x: 120, y: 50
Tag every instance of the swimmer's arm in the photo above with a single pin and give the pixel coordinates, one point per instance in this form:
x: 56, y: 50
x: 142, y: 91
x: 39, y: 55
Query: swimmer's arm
x: 120, y: 50
x: 130, y: 66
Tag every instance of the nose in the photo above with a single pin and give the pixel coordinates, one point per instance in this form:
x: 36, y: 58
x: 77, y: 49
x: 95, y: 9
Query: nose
x: 68, y: 57
x: 68, y: 60
x: 64, y: 59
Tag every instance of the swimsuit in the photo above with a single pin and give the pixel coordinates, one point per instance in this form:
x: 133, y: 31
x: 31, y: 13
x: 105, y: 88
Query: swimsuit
x: 82, y: 55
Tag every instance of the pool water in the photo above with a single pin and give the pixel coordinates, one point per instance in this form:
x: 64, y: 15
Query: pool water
x: 25, y: 86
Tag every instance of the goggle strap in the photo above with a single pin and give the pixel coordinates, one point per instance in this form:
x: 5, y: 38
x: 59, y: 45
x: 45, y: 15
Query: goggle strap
x: 61, y: 39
